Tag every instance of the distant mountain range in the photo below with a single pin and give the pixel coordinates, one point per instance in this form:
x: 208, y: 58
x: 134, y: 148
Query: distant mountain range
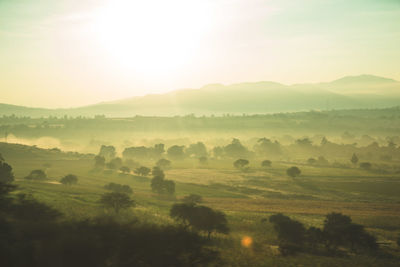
x: 351, y: 92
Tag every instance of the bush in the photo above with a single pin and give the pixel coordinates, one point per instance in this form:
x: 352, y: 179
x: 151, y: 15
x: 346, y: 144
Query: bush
x: 69, y: 179
x: 293, y: 172
x: 241, y: 163
x: 36, y: 175
x: 266, y: 163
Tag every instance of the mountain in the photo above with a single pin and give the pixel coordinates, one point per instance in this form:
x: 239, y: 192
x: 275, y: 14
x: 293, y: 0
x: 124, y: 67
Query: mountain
x: 364, y: 91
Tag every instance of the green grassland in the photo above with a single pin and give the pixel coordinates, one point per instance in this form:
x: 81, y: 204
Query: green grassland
x: 247, y: 198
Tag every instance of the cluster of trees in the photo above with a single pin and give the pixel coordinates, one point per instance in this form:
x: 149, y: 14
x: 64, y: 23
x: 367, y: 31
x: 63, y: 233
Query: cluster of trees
x: 40, y: 175
x: 119, y: 188
x: 338, y: 231
x: 198, y: 217
x: 159, y: 184
x: 175, y: 152
x: 34, y: 234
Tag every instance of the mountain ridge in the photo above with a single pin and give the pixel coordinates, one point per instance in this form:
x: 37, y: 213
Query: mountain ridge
x: 363, y: 91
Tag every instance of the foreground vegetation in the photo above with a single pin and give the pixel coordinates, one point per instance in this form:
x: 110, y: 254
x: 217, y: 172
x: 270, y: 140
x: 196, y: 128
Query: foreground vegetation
x: 244, y: 197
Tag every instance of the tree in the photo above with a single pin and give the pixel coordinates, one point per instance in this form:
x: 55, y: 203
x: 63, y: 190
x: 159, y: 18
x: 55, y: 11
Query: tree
x: 116, y: 201
x: 354, y: 159
x: 293, y: 172
x: 176, y: 152
x: 291, y: 233
x: 158, y: 172
x: 182, y: 212
x: 340, y: 231
x: 192, y: 199
x: 314, y: 236
x: 365, y: 165
x: 241, y: 163
x: 161, y: 185
x: 100, y: 161
x: 126, y: 189
x: 218, y: 152
x: 108, y: 152
x: 235, y: 149
x: 197, y: 150
x: 266, y: 147
x: 36, y: 175
x: 266, y: 163
x: 311, y: 161
x: 169, y: 186
x: 163, y: 163
x: 69, y: 179
x: 200, y: 218
x: 142, y: 171
x: 322, y: 160
x: 305, y: 142
x: 125, y: 169
x: 6, y: 173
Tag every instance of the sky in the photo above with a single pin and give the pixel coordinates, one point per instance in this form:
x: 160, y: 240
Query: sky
x: 69, y: 53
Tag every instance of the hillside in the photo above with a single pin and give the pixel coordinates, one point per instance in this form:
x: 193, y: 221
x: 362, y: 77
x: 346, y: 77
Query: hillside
x: 352, y: 92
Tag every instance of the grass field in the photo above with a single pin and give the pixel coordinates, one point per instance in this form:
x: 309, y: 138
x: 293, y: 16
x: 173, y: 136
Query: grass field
x: 246, y: 197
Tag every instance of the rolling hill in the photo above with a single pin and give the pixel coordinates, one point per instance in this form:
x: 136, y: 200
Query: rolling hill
x: 351, y: 92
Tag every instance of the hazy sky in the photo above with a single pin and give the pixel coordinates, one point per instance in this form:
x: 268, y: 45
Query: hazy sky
x: 75, y: 52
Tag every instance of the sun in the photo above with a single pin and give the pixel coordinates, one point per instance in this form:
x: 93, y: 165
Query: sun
x: 152, y: 36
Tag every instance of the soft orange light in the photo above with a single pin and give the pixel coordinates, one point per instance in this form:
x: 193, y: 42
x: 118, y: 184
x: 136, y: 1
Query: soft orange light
x: 246, y: 241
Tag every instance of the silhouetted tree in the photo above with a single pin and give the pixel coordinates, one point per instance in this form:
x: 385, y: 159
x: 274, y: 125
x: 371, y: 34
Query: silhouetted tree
x: 266, y: 147
x: 6, y: 173
x: 125, y: 169
x: 197, y: 150
x: 241, y: 163
x: 176, y: 152
x: 161, y: 185
x: 108, y: 152
x: 218, y: 152
x: 304, y: 142
x: 126, y: 189
x: 200, y: 218
x: 163, y: 163
x: 116, y: 201
x: 69, y: 179
x: 36, y: 175
x: 266, y: 163
x: 142, y: 171
x: 314, y: 236
x: 354, y: 159
x: 293, y: 172
x: 291, y: 233
x: 311, y: 161
x: 236, y: 149
x: 340, y: 231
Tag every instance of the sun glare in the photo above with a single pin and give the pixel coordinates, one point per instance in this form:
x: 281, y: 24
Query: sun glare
x: 152, y: 36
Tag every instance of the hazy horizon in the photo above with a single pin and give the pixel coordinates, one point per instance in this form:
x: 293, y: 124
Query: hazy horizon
x: 61, y: 54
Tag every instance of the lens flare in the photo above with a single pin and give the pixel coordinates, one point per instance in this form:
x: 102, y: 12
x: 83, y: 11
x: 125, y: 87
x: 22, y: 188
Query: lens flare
x: 246, y: 241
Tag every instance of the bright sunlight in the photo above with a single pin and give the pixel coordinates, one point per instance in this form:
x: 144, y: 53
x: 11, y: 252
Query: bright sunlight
x: 152, y: 36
